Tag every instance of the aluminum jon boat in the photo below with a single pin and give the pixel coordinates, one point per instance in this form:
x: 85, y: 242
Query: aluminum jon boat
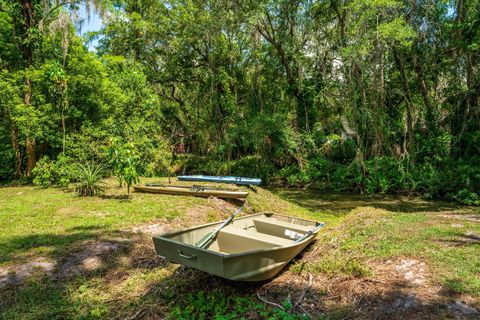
x: 197, y: 191
x: 252, y: 248
x: 223, y: 179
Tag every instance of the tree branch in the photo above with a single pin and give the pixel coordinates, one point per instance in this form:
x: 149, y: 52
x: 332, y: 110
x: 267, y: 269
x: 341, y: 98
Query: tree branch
x: 61, y: 4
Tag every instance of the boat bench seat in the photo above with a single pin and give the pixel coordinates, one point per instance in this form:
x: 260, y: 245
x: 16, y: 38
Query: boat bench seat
x: 232, y: 239
x: 279, y: 228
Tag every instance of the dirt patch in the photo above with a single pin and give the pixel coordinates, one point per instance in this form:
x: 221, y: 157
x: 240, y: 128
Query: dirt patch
x: 222, y: 205
x: 466, y: 217
x: 462, y: 239
x: 151, y: 229
x: 400, y: 288
x: 142, y: 255
x: 457, y: 225
x: 89, y: 256
x: 14, y: 275
x: 409, y: 277
x: 193, y: 216
x: 413, y: 271
x: 72, y: 210
x: 304, y: 292
x: 461, y: 309
x: 217, y: 209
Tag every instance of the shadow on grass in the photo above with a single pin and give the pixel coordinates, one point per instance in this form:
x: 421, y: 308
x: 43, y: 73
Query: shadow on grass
x: 85, y: 228
x: 42, y: 294
x: 463, y: 239
x: 189, y: 293
x: 194, y: 294
x: 59, y: 243
x: 122, y: 197
x: 340, y: 203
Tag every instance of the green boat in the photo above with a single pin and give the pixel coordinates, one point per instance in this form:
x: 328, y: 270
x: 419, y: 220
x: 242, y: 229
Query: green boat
x: 252, y: 248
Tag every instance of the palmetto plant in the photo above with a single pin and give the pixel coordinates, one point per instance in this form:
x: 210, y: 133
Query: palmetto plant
x: 89, y: 180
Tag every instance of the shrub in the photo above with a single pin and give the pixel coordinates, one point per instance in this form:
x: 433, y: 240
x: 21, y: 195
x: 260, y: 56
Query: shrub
x: 43, y: 173
x: 124, y: 161
x: 467, y: 197
x: 251, y: 166
x: 89, y: 180
x: 7, y: 157
x: 48, y: 173
x: 63, y: 171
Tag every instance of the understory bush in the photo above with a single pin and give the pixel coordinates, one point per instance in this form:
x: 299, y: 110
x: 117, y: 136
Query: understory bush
x: 249, y: 166
x: 457, y: 180
x: 57, y: 172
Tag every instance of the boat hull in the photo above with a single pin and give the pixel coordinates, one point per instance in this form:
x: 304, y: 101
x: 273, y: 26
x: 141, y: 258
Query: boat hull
x: 197, y: 192
x: 222, y: 179
x: 261, y: 262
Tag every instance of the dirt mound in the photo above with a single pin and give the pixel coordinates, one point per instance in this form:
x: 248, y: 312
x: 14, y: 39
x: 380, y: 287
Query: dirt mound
x: 217, y: 209
x: 222, y: 205
x: 397, y: 289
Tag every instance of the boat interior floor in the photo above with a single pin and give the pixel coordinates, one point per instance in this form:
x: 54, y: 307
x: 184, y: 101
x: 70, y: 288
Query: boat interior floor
x: 259, y: 233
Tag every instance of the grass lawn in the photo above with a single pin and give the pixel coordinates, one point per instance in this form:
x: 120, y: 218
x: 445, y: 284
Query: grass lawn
x: 63, y: 256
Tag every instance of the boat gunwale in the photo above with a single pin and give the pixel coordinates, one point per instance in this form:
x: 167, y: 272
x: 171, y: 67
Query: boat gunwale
x: 239, y: 254
x: 221, y: 179
x: 194, y: 176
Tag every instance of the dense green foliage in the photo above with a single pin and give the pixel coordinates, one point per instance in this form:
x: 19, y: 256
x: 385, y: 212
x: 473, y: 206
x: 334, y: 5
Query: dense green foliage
x: 53, y: 173
x: 370, y: 96
x: 124, y: 161
x: 215, y: 305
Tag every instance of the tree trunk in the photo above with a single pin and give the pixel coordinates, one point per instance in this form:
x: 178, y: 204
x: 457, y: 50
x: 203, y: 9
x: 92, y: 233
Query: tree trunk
x: 409, y: 138
x: 26, y: 45
x: 256, y: 75
x: 30, y: 141
x: 357, y: 85
x: 379, y: 92
x: 292, y: 71
x: 473, y: 86
x: 430, y: 117
x: 31, y: 161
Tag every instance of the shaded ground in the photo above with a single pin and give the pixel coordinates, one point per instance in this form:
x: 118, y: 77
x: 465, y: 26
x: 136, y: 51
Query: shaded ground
x: 340, y: 203
x: 68, y: 257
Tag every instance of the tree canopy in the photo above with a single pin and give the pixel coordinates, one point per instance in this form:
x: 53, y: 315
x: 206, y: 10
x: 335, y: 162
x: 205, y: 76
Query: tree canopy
x: 359, y: 95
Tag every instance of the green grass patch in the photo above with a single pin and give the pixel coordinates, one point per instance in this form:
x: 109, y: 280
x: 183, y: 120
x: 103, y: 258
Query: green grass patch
x: 50, y: 223
x: 216, y: 305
